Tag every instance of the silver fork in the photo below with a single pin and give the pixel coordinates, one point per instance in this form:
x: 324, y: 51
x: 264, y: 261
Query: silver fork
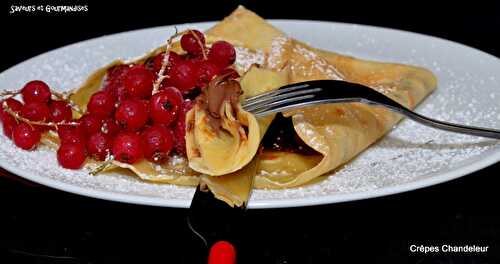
x: 330, y: 91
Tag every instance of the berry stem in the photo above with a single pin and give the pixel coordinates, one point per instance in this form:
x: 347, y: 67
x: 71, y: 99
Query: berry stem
x: 105, y: 164
x: 203, y: 50
x: 18, y: 118
x: 8, y: 94
x: 164, y: 63
x: 65, y: 97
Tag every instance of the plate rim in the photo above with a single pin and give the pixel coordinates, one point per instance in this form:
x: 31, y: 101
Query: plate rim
x: 432, y: 179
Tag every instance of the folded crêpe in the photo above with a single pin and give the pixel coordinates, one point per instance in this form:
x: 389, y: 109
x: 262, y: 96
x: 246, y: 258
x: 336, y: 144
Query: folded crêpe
x: 221, y: 137
x: 337, y: 132
x: 229, y: 160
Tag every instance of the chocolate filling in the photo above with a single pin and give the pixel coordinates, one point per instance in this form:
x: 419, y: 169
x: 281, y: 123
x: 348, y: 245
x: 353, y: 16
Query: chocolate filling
x: 281, y: 136
x: 221, y: 89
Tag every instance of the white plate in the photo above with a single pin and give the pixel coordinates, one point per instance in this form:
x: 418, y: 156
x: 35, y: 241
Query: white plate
x: 468, y: 92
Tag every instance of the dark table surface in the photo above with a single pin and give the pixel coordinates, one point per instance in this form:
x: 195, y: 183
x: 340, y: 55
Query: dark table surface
x: 42, y: 225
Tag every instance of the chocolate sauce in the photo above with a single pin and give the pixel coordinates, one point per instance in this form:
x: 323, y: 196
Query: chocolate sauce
x: 281, y: 136
x: 221, y: 89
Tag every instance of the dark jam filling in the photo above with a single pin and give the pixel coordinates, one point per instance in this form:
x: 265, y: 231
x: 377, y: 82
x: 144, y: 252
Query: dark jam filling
x: 281, y: 136
x: 192, y: 94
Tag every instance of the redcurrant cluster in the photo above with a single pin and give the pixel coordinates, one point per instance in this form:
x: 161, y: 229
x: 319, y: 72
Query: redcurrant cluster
x: 25, y: 121
x: 126, y: 119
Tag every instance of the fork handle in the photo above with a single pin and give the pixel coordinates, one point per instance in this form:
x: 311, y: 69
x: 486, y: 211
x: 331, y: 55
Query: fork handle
x: 457, y: 128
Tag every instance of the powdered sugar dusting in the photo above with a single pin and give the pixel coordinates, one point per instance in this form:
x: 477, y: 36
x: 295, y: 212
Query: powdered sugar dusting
x: 318, y: 63
x: 410, y: 153
x: 276, y: 54
x: 43, y: 162
x: 246, y: 58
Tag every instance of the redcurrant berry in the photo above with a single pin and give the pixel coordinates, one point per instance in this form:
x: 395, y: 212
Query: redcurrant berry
x: 36, y: 91
x: 157, y: 142
x: 36, y: 111
x: 114, y: 81
x: 165, y: 105
x: 102, y: 104
x: 132, y: 114
x: 98, y: 146
x: 206, y: 71
x: 193, y: 43
x: 60, y: 111
x: 127, y: 147
x: 71, y: 135
x: 117, y: 72
x: 183, y: 75
x: 110, y: 127
x: 71, y: 156
x: 138, y: 81
x: 222, y: 53
x: 13, y: 104
x: 8, y: 125
x: 26, y: 136
x: 8, y: 121
x: 91, y: 123
x: 173, y: 59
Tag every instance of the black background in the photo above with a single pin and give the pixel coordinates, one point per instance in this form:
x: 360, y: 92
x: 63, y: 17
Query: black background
x: 37, y: 221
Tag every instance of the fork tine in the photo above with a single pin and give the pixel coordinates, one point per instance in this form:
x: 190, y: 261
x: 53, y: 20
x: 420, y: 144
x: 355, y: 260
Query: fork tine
x: 253, y: 106
x: 275, y: 92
